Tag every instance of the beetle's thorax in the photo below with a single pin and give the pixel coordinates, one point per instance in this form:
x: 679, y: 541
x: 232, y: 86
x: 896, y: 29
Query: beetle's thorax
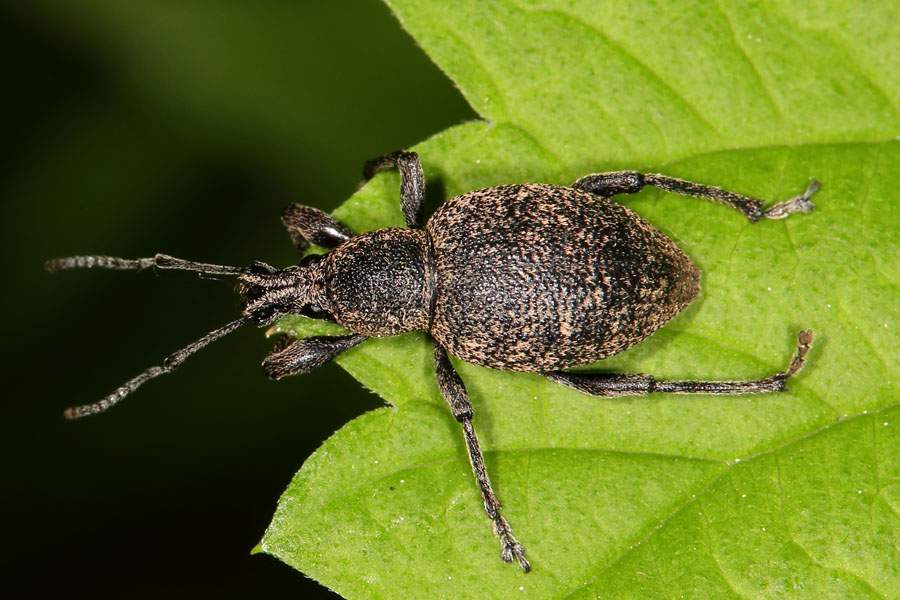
x: 381, y: 282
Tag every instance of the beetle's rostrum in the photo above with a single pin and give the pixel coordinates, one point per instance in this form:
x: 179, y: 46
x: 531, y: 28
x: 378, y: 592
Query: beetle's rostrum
x: 529, y: 277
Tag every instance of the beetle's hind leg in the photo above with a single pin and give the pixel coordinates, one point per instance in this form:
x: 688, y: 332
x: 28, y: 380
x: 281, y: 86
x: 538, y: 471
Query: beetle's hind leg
x: 412, y: 182
x: 613, y: 385
x: 454, y: 392
x: 631, y: 182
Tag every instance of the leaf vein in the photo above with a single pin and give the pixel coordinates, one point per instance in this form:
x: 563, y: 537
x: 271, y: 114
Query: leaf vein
x: 715, y: 559
x: 702, y: 489
x: 762, y: 83
x: 869, y: 343
x: 698, y: 116
x: 842, y: 42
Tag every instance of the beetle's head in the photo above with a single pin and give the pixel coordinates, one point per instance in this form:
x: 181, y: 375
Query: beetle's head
x: 269, y: 294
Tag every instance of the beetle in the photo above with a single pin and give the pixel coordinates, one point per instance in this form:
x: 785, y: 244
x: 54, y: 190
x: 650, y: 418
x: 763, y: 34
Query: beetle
x: 529, y: 277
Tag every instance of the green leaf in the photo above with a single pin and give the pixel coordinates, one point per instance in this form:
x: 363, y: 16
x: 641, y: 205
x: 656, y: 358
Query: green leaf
x: 780, y: 495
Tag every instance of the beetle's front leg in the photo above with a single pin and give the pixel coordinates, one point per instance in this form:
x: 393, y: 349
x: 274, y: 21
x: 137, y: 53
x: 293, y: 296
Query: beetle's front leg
x: 307, y: 225
x: 412, y: 182
x: 302, y: 356
x: 615, y: 385
x: 631, y: 182
x: 454, y: 392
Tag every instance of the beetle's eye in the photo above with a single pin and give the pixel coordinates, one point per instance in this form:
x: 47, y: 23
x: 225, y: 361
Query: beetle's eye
x: 310, y: 259
x: 314, y: 311
x: 258, y: 268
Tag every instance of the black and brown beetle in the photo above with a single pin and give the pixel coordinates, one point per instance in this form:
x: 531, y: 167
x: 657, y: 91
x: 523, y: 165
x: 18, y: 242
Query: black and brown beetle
x: 528, y: 277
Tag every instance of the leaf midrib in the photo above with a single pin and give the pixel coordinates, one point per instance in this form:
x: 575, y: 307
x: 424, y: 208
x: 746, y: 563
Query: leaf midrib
x: 701, y: 489
x: 690, y: 497
x: 728, y: 464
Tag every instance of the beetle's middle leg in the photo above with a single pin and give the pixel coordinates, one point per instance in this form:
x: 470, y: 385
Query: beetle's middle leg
x: 454, y: 392
x: 614, y: 385
x: 412, y: 182
x: 631, y: 182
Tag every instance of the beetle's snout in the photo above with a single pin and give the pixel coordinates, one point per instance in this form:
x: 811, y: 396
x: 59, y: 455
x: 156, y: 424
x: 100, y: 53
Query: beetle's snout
x: 269, y: 294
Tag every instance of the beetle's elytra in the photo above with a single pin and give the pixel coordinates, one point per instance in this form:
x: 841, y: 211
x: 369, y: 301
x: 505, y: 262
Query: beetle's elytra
x: 528, y: 277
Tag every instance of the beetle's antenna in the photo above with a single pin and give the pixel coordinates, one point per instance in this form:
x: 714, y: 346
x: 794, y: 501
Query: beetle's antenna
x: 161, y: 261
x: 169, y: 365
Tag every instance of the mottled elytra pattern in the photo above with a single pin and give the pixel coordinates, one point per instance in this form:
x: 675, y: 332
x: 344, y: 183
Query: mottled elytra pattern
x: 527, y: 277
x: 538, y: 277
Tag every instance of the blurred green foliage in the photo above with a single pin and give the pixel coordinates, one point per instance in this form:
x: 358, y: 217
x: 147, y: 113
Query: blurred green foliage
x: 135, y: 127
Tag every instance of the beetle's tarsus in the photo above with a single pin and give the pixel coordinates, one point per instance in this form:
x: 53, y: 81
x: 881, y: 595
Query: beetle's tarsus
x: 513, y: 550
x: 804, y: 343
x: 797, y: 204
x: 778, y: 381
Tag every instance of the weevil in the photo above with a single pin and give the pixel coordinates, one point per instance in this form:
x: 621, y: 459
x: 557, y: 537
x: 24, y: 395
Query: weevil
x: 532, y: 277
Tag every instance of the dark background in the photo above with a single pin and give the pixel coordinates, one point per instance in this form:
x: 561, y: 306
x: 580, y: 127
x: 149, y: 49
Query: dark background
x: 182, y: 127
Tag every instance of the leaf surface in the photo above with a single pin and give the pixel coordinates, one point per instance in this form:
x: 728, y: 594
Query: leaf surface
x: 780, y: 495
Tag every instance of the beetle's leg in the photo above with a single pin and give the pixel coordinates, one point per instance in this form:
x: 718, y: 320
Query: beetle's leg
x: 631, y: 182
x: 454, y: 392
x: 307, y: 225
x: 613, y: 385
x: 306, y: 354
x: 412, y: 182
